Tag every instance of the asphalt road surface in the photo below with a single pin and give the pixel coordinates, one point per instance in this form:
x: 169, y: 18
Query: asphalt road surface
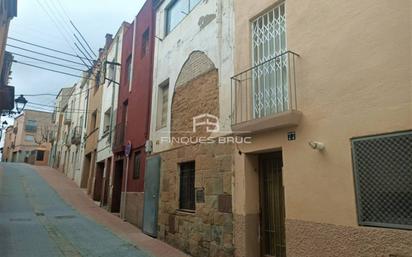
x: 36, y: 222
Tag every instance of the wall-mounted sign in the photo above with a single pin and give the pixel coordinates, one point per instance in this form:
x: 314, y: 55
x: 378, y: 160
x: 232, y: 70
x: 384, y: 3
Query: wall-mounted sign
x: 291, y: 136
x: 200, y: 195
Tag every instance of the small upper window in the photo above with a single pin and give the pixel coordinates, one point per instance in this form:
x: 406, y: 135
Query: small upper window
x: 31, y: 126
x: 94, y: 120
x: 162, y: 104
x: 145, y: 43
x: 29, y: 138
x: 177, y: 11
x: 129, y: 69
x: 111, y: 71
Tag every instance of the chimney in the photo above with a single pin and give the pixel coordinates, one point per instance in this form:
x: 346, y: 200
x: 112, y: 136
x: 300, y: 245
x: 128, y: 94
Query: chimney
x: 109, y: 40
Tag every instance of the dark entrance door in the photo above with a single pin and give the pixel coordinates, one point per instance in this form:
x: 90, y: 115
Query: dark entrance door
x: 272, y: 202
x: 98, y: 182
x: 151, y: 195
x: 117, y: 186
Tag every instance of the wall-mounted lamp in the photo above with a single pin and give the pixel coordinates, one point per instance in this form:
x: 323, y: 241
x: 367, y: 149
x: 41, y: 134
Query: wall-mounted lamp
x: 316, y: 145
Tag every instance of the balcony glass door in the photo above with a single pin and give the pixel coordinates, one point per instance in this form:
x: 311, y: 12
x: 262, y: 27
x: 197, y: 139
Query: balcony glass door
x: 270, y: 78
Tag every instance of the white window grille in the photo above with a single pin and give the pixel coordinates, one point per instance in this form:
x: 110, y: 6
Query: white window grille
x: 270, y: 81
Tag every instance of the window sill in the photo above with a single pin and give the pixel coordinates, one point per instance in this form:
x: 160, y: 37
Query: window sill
x: 186, y: 212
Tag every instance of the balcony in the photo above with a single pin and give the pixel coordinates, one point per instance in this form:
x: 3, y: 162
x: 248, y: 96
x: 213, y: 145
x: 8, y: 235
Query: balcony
x: 76, y: 135
x: 264, y: 96
x: 118, y: 142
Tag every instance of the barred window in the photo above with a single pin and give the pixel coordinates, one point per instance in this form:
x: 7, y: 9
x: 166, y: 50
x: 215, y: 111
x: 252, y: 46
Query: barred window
x: 383, y: 177
x: 187, y: 186
x: 40, y: 155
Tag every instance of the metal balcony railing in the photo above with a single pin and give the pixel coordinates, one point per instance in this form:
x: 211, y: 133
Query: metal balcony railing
x: 266, y: 89
x: 118, y: 141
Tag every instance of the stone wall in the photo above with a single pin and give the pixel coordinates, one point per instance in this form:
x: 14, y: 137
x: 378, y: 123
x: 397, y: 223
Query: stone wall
x: 209, y: 230
x: 198, y: 96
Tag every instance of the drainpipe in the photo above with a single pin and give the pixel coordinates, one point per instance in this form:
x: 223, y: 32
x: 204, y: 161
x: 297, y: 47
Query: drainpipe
x: 123, y: 216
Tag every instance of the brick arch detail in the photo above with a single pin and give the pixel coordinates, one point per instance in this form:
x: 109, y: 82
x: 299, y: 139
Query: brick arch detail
x: 197, y: 64
x: 198, y: 95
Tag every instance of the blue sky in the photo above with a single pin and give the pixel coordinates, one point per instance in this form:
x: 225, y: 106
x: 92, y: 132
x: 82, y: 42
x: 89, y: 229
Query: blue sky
x: 94, y: 18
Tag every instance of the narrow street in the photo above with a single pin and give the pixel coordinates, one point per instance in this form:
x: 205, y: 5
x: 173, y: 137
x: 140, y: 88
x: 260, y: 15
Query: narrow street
x: 36, y: 221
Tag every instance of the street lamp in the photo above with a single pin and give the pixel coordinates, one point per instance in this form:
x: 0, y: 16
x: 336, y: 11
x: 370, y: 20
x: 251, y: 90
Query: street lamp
x: 20, y: 103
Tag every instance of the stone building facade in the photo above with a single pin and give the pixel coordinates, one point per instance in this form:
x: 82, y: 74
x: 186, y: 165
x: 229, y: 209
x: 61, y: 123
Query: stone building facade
x: 205, y: 230
x: 190, y: 111
x: 208, y: 231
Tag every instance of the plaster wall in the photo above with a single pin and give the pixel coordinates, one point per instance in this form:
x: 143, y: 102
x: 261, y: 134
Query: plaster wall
x: 77, y: 106
x: 110, y: 98
x: 353, y: 79
x: 366, y: 90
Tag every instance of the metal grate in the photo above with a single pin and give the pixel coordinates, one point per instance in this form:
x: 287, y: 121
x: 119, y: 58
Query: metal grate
x: 270, y: 81
x: 187, y: 186
x: 383, y: 177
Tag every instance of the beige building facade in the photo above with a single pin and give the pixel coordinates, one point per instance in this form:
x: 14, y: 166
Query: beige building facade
x: 7, y: 149
x: 324, y: 91
x: 31, y: 138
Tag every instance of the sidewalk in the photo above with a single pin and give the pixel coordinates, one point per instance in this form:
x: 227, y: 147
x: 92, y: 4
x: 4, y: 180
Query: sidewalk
x: 76, y: 197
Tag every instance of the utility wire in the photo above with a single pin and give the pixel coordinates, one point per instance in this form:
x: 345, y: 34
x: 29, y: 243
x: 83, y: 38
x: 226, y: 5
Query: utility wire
x: 78, y: 31
x: 80, y: 50
x: 51, y: 56
x: 65, y: 25
x: 44, y: 68
x: 51, y: 111
x: 80, y: 42
x: 53, y: 63
x: 64, y: 10
x: 47, y: 48
x: 64, y: 13
x: 56, y: 15
x: 67, y: 41
x: 54, y: 107
x: 55, y: 23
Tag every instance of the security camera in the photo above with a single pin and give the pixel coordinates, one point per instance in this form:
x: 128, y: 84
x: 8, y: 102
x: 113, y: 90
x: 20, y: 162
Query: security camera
x: 317, y: 145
